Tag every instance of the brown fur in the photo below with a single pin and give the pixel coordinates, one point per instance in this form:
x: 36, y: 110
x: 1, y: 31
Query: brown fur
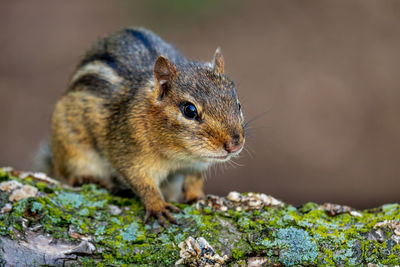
x: 125, y: 119
x: 193, y: 187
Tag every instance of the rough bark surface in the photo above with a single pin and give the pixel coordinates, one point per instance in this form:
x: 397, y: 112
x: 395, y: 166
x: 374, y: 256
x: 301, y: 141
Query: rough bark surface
x: 45, y: 223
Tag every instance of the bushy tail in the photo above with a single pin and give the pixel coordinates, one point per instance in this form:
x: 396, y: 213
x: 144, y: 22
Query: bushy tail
x: 43, y: 159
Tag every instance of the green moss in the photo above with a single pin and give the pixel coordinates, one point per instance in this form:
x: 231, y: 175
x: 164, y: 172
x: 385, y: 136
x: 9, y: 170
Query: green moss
x: 238, y: 254
x: 310, y: 206
x: 244, y: 223
x: 391, y: 209
x: 3, y: 175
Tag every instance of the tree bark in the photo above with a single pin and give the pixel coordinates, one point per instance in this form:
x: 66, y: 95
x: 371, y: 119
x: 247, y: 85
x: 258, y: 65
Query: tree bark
x: 43, y: 222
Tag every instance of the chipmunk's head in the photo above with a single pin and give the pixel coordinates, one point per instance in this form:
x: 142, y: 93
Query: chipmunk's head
x: 199, y: 110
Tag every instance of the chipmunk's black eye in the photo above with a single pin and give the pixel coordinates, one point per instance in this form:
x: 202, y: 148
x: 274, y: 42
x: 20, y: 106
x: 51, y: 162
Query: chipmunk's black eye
x: 240, y: 107
x: 189, y: 111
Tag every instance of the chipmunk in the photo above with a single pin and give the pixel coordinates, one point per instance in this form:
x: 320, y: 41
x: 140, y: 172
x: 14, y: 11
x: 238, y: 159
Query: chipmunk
x: 137, y: 113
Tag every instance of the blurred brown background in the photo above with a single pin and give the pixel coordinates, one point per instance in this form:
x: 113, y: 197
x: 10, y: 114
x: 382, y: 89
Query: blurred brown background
x: 325, y: 73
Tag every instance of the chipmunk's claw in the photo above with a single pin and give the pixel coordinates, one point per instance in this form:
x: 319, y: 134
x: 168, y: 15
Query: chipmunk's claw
x: 173, y: 208
x: 161, y: 214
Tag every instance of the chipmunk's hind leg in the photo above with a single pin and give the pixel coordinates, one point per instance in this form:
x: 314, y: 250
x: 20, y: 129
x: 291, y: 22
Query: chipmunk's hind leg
x: 171, y: 188
x: 183, y: 187
x: 75, y: 156
x: 90, y: 167
x: 82, y: 165
x: 193, y: 187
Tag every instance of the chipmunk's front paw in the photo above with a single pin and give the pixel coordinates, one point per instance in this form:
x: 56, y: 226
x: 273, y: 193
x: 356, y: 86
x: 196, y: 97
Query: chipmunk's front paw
x: 161, y: 210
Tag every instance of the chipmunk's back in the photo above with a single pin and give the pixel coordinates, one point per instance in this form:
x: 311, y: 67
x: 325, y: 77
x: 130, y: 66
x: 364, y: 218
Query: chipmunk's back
x: 131, y: 53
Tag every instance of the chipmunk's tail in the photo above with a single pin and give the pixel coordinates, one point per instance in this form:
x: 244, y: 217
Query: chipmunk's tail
x: 43, y: 159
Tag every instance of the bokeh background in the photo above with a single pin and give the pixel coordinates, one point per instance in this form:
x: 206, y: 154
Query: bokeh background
x: 320, y: 78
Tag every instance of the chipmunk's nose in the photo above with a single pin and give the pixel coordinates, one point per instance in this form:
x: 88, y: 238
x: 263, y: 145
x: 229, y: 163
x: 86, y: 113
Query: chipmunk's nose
x: 234, y: 144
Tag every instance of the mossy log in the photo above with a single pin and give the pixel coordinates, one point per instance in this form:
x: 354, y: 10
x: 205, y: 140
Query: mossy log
x: 45, y: 223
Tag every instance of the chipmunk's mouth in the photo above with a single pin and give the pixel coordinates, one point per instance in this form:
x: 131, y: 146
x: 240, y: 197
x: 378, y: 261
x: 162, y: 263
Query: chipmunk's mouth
x: 225, y: 157
x: 219, y: 157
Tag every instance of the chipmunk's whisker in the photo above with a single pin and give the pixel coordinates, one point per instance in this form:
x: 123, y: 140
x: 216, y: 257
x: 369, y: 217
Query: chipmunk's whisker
x: 236, y: 163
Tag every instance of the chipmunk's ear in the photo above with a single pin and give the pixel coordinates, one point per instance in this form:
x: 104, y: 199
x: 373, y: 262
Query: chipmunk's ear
x: 164, y: 73
x: 218, y: 62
